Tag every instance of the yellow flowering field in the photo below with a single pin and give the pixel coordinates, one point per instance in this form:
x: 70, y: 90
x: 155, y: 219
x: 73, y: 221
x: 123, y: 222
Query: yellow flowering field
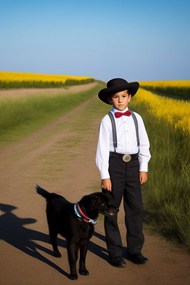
x: 174, y: 88
x: 168, y: 83
x: 176, y: 112
x: 28, y: 76
x: 28, y: 79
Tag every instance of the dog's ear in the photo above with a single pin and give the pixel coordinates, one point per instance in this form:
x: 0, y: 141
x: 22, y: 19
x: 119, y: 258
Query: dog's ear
x: 95, y: 200
x: 91, y: 200
x: 99, y: 199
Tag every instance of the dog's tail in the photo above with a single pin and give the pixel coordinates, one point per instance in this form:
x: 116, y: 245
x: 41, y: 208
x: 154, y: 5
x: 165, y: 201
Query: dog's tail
x: 42, y: 192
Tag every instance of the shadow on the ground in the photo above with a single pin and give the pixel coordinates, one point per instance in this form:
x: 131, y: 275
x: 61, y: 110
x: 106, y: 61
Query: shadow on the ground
x: 13, y: 231
x: 98, y: 250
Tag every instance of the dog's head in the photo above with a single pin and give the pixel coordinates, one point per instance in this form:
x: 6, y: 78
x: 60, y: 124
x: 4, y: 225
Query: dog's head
x: 98, y: 203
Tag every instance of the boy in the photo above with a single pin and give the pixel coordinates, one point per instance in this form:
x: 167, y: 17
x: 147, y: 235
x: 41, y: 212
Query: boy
x: 122, y: 158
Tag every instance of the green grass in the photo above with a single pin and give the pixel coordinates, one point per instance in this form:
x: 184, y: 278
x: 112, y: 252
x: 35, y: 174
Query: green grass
x: 180, y: 93
x: 22, y: 116
x: 167, y: 193
x: 41, y: 84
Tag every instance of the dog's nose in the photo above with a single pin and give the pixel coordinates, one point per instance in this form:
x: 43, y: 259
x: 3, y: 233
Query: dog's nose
x: 114, y: 208
x: 116, y: 211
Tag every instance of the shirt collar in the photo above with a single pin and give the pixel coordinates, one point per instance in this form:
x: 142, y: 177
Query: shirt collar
x: 113, y: 110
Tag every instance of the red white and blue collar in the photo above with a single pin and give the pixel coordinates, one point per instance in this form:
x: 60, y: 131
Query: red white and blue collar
x: 79, y: 213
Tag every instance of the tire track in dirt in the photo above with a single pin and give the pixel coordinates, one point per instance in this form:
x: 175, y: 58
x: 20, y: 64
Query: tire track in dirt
x: 60, y: 157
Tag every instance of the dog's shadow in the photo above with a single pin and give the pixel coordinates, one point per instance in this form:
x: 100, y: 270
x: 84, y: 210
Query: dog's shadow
x: 13, y: 231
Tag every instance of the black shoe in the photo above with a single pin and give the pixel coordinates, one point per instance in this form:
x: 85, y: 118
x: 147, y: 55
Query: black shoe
x: 118, y: 262
x: 137, y: 258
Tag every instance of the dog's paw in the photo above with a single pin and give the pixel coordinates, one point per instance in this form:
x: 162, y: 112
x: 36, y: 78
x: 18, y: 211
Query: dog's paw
x: 83, y: 272
x: 57, y: 254
x: 73, y: 276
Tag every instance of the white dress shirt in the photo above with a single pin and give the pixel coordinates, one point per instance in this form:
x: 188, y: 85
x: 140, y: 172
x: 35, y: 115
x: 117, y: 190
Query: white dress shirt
x: 126, y: 141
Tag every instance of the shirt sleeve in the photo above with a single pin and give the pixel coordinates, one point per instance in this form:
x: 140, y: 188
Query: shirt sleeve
x: 144, y: 152
x: 102, y: 152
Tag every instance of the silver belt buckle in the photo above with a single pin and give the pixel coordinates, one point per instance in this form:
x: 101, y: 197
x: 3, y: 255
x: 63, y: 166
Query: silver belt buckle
x: 126, y: 157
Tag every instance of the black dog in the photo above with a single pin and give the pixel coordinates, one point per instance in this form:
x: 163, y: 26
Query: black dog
x: 75, y: 222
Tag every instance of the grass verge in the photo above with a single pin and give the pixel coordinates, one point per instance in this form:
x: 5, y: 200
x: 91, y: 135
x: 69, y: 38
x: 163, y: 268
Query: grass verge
x: 167, y: 193
x: 25, y: 115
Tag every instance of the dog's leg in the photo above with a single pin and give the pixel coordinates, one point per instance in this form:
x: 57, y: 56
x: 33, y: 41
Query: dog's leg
x: 53, y: 232
x: 83, y: 252
x: 53, y: 238
x: 72, y: 251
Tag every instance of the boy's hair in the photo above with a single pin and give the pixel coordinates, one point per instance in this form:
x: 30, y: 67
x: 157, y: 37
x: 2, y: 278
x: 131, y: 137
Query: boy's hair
x: 111, y: 96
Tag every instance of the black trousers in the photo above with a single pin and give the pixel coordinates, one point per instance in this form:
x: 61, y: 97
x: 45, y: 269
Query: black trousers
x: 126, y: 185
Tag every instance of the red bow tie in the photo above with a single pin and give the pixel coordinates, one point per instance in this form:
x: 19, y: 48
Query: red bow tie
x: 120, y: 114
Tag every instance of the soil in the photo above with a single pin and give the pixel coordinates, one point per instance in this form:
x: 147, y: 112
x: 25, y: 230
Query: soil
x: 61, y: 160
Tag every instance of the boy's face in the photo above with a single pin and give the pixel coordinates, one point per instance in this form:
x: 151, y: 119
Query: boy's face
x: 120, y: 100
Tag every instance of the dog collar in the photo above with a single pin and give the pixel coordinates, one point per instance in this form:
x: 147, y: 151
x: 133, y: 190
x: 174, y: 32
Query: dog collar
x: 79, y: 213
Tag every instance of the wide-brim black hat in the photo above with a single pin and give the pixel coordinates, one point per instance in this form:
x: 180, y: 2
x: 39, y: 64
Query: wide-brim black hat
x: 116, y: 85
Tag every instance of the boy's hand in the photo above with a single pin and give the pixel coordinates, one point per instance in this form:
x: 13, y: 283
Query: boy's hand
x: 143, y: 177
x: 106, y: 184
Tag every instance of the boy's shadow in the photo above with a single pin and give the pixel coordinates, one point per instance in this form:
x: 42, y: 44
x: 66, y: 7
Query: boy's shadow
x: 97, y: 249
x: 12, y: 231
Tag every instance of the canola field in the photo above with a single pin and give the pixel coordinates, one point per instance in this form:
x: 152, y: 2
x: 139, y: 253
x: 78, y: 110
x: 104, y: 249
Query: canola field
x: 10, y: 80
x: 179, y: 89
x: 169, y: 100
x: 175, y: 112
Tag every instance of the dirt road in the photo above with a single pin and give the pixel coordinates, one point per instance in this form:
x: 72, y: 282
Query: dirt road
x: 60, y: 157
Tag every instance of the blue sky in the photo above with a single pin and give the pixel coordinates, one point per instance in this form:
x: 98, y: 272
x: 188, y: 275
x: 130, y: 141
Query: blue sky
x: 134, y: 39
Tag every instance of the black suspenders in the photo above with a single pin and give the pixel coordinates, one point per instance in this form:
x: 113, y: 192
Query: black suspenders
x: 115, y: 133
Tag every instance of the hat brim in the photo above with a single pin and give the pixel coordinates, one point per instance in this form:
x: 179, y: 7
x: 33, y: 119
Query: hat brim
x: 105, y: 93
